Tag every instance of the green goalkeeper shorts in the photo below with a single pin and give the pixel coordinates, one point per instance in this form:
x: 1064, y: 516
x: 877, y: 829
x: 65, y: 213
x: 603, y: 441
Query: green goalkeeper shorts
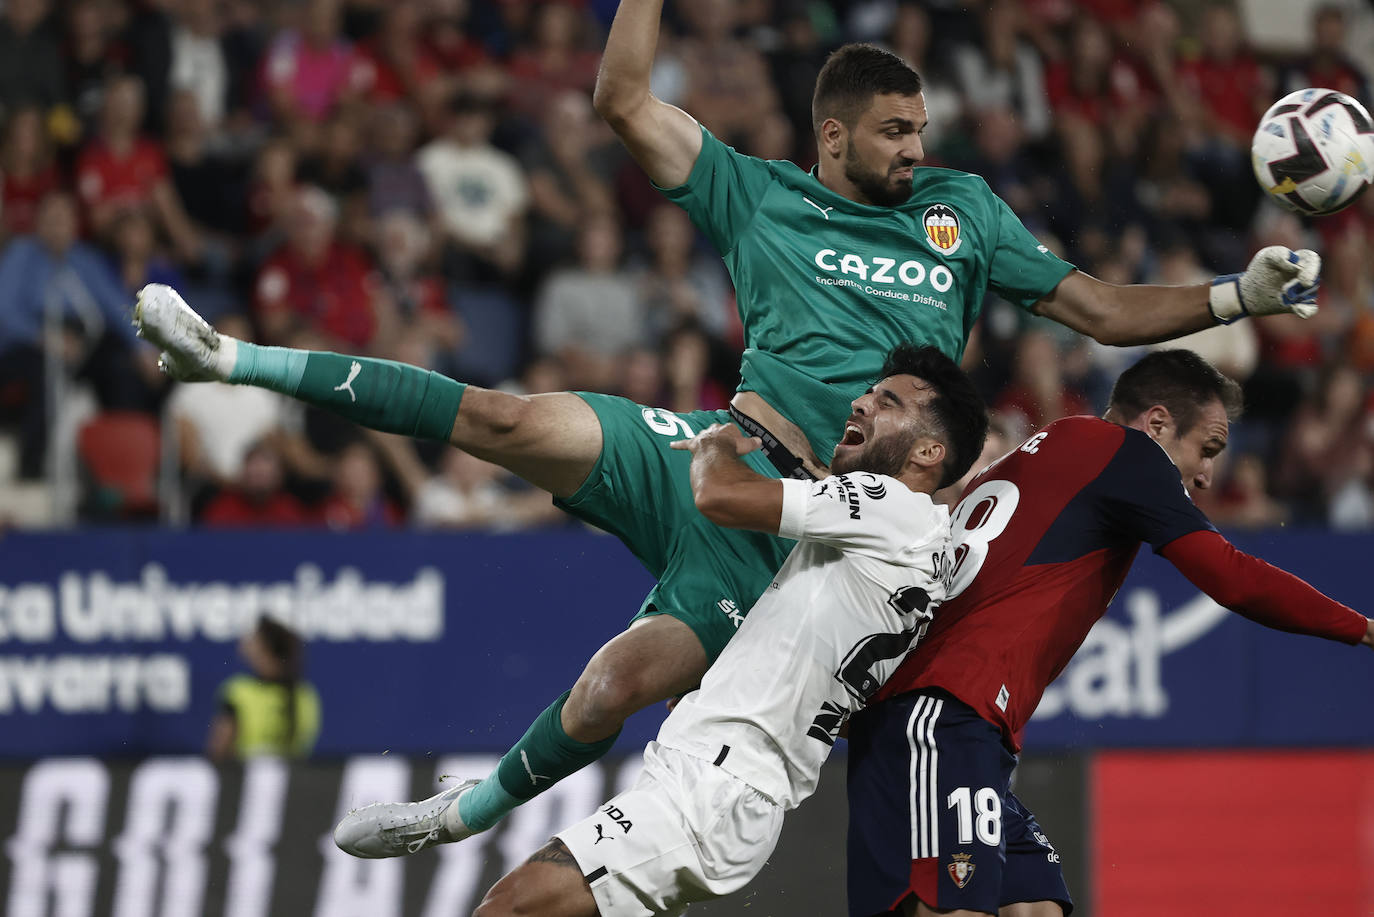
x: 640, y: 491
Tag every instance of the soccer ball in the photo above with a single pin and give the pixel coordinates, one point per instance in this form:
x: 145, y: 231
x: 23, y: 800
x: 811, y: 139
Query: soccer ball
x: 1314, y: 151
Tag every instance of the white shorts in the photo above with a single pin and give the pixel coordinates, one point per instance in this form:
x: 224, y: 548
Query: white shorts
x: 687, y: 831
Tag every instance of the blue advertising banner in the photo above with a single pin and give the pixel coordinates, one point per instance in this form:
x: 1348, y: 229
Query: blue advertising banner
x: 115, y: 642
x: 1170, y: 667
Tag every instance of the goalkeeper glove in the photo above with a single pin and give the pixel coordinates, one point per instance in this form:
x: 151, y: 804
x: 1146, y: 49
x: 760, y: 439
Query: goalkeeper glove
x: 1278, y: 280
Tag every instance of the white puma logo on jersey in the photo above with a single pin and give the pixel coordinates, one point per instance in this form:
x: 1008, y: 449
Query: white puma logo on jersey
x: 534, y: 778
x: 825, y: 211
x: 348, y: 383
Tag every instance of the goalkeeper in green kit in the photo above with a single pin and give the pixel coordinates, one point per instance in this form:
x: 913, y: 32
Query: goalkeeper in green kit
x: 832, y: 268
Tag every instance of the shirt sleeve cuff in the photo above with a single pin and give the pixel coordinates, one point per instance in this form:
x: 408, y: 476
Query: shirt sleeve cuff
x: 795, y: 494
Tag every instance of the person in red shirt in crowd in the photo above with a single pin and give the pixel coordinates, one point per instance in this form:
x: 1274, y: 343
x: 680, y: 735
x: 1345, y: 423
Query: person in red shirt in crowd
x: 257, y: 498
x: 27, y: 171
x: 412, y: 306
x: 1092, y: 83
x: 1037, y: 393
x: 358, y: 500
x: 395, y: 64
x: 1224, y: 90
x: 1041, y: 542
x: 119, y: 170
x: 271, y: 190
x: 555, y: 60
x: 315, y: 287
x: 1328, y: 66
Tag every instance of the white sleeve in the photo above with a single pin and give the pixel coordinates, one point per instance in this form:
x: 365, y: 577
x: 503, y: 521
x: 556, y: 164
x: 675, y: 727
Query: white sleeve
x: 863, y: 513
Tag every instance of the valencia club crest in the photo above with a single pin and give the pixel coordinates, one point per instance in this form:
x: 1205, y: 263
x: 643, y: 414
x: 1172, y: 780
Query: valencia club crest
x: 942, y: 228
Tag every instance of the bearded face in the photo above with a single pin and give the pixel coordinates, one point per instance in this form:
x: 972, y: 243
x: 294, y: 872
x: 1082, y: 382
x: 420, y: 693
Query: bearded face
x: 883, y: 454
x: 887, y: 187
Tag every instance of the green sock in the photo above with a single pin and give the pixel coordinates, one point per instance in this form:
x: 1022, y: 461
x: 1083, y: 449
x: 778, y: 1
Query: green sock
x: 542, y: 757
x: 381, y: 394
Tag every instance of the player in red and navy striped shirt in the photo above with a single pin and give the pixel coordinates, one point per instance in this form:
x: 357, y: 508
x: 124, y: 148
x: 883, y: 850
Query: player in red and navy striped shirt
x: 1043, y: 539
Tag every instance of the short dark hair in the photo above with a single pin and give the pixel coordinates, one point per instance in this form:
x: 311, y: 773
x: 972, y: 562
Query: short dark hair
x: 1181, y: 381
x: 957, y: 410
x: 853, y: 74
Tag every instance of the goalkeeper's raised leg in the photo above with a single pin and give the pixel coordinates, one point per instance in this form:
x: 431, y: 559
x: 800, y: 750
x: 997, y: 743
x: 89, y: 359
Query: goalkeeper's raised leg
x: 554, y: 441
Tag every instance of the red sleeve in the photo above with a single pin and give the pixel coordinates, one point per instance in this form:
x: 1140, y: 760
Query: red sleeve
x: 1260, y: 591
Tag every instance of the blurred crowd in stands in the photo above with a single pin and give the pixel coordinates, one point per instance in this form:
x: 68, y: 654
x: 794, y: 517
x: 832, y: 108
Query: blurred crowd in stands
x: 426, y: 180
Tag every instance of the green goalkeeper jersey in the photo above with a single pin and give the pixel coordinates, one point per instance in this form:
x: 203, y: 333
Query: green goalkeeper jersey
x: 827, y: 286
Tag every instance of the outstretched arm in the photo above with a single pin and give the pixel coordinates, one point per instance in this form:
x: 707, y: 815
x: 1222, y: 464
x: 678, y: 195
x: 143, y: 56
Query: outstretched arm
x: 662, y: 138
x: 1262, y: 592
x: 1277, y: 281
x: 727, y: 491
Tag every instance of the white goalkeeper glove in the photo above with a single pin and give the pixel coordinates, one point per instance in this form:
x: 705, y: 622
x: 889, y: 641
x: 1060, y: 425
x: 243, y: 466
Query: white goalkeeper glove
x: 1278, y: 280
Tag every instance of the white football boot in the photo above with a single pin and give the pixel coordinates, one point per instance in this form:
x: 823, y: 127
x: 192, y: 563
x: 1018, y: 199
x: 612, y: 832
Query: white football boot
x: 192, y: 350
x: 392, y: 829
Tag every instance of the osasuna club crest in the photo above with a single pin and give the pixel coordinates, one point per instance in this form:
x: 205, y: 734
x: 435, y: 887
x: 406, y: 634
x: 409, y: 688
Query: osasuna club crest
x: 942, y: 228
x: 961, y: 870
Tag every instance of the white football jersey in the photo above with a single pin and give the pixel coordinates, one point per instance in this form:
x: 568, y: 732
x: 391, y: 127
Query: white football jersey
x: 853, y: 597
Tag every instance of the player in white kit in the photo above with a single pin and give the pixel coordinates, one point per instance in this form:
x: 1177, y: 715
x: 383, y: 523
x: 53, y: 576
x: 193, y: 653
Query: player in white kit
x: 852, y: 598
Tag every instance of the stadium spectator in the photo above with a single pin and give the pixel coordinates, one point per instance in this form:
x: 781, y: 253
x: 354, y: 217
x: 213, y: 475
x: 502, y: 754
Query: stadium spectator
x: 198, y: 63
x: 680, y: 282
x: 271, y: 709
x: 28, y: 171
x: 909, y: 37
x: 1220, y: 95
x: 1233, y: 350
x: 1004, y: 72
x: 395, y: 64
x: 138, y: 259
x: 94, y: 55
x: 30, y: 58
x: 394, y: 182
x: 52, y: 275
x: 1000, y: 156
x: 335, y: 166
x: 1037, y: 393
x: 794, y: 64
x: 315, y: 286
x: 469, y: 493
x: 1227, y: 84
x: 728, y: 86
x: 690, y: 370
x: 1327, y: 64
x: 255, y: 497
x: 357, y: 500
x: 480, y: 191
x: 1328, y: 449
x: 212, y: 185
x: 556, y: 58
x: 588, y: 315
x: 1243, y: 501
x: 571, y: 166
x: 148, y: 36
x: 271, y: 192
x: 217, y: 425
x: 410, y: 295
x: 310, y: 70
x: 1002, y: 438
x: 119, y: 169
x: 1091, y: 83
